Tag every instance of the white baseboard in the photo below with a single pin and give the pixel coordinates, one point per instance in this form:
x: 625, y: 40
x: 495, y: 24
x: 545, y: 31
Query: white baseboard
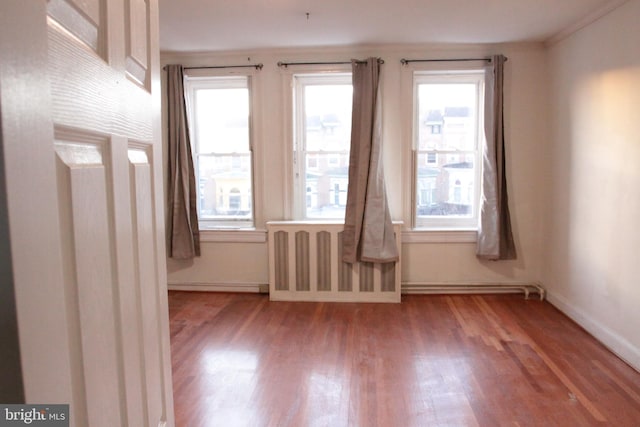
x: 219, y: 287
x: 614, y: 342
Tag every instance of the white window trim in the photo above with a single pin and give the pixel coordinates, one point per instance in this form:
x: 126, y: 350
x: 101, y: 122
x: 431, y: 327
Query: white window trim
x: 233, y: 231
x: 443, y: 229
x: 295, y: 191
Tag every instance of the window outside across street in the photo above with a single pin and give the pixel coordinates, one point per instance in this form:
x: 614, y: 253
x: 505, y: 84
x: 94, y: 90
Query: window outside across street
x: 322, y: 140
x: 220, y: 137
x: 447, y: 135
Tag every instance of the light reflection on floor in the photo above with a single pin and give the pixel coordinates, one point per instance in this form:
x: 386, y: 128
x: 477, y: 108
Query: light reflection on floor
x: 227, y: 386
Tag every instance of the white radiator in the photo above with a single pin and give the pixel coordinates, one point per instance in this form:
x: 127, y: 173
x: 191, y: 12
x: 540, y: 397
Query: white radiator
x: 305, y: 264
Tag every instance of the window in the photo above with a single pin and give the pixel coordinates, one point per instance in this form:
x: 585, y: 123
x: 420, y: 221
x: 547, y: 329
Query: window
x: 448, y: 132
x: 432, y: 158
x: 218, y: 109
x: 322, y: 138
x: 312, y: 162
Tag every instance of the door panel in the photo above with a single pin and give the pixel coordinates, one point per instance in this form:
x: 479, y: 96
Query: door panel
x: 81, y: 18
x: 142, y: 214
x: 87, y: 264
x: 128, y: 290
x: 137, y: 30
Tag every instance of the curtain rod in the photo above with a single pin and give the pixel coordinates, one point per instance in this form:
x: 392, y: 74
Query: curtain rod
x: 256, y: 66
x: 286, y: 64
x: 207, y: 67
x: 406, y: 61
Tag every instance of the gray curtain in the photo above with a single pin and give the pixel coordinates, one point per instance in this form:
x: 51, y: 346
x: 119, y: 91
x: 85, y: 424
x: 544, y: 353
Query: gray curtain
x: 368, y: 230
x: 183, y: 233
x: 495, y: 238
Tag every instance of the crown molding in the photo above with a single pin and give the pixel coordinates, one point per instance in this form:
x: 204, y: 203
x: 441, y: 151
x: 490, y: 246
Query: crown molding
x: 590, y: 18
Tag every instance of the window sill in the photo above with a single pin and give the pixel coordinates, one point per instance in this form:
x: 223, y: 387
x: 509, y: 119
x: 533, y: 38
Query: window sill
x: 439, y: 236
x: 313, y: 222
x: 233, y: 236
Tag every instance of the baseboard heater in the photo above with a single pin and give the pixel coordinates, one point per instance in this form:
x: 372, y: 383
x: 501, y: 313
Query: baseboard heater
x: 305, y: 264
x: 527, y: 288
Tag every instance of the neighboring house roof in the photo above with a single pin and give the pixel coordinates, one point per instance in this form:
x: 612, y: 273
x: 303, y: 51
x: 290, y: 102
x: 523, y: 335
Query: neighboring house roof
x: 313, y: 123
x: 434, y: 117
x: 322, y: 122
x: 339, y: 172
x: 330, y: 120
x: 457, y: 112
x: 428, y: 172
x: 460, y: 165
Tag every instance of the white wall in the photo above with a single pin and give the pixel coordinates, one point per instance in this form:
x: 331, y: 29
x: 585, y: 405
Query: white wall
x: 526, y: 131
x: 592, y: 248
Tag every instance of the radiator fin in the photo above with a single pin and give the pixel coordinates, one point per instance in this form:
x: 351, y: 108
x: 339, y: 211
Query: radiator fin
x: 388, y: 279
x: 302, y: 261
x: 366, y: 277
x: 345, y: 270
x: 324, y: 260
x: 281, y: 260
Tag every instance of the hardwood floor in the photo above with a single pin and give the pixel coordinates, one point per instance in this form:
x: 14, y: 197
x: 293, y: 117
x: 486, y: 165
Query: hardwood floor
x: 492, y: 360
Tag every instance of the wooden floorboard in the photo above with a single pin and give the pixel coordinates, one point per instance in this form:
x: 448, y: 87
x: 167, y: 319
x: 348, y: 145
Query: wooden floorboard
x: 437, y: 360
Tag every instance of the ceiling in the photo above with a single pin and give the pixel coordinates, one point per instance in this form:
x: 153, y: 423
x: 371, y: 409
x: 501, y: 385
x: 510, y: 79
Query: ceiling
x: 222, y: 25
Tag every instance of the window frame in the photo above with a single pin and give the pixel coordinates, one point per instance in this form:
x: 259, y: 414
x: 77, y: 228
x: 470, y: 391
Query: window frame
x: 215, y: 79
x: 419, y: 223
x: 299, y: 185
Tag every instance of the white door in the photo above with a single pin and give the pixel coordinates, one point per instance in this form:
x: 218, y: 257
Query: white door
x: 81, y: 144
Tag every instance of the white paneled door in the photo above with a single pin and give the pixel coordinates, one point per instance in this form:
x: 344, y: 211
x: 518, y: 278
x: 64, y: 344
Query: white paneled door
x: 81, y: 145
